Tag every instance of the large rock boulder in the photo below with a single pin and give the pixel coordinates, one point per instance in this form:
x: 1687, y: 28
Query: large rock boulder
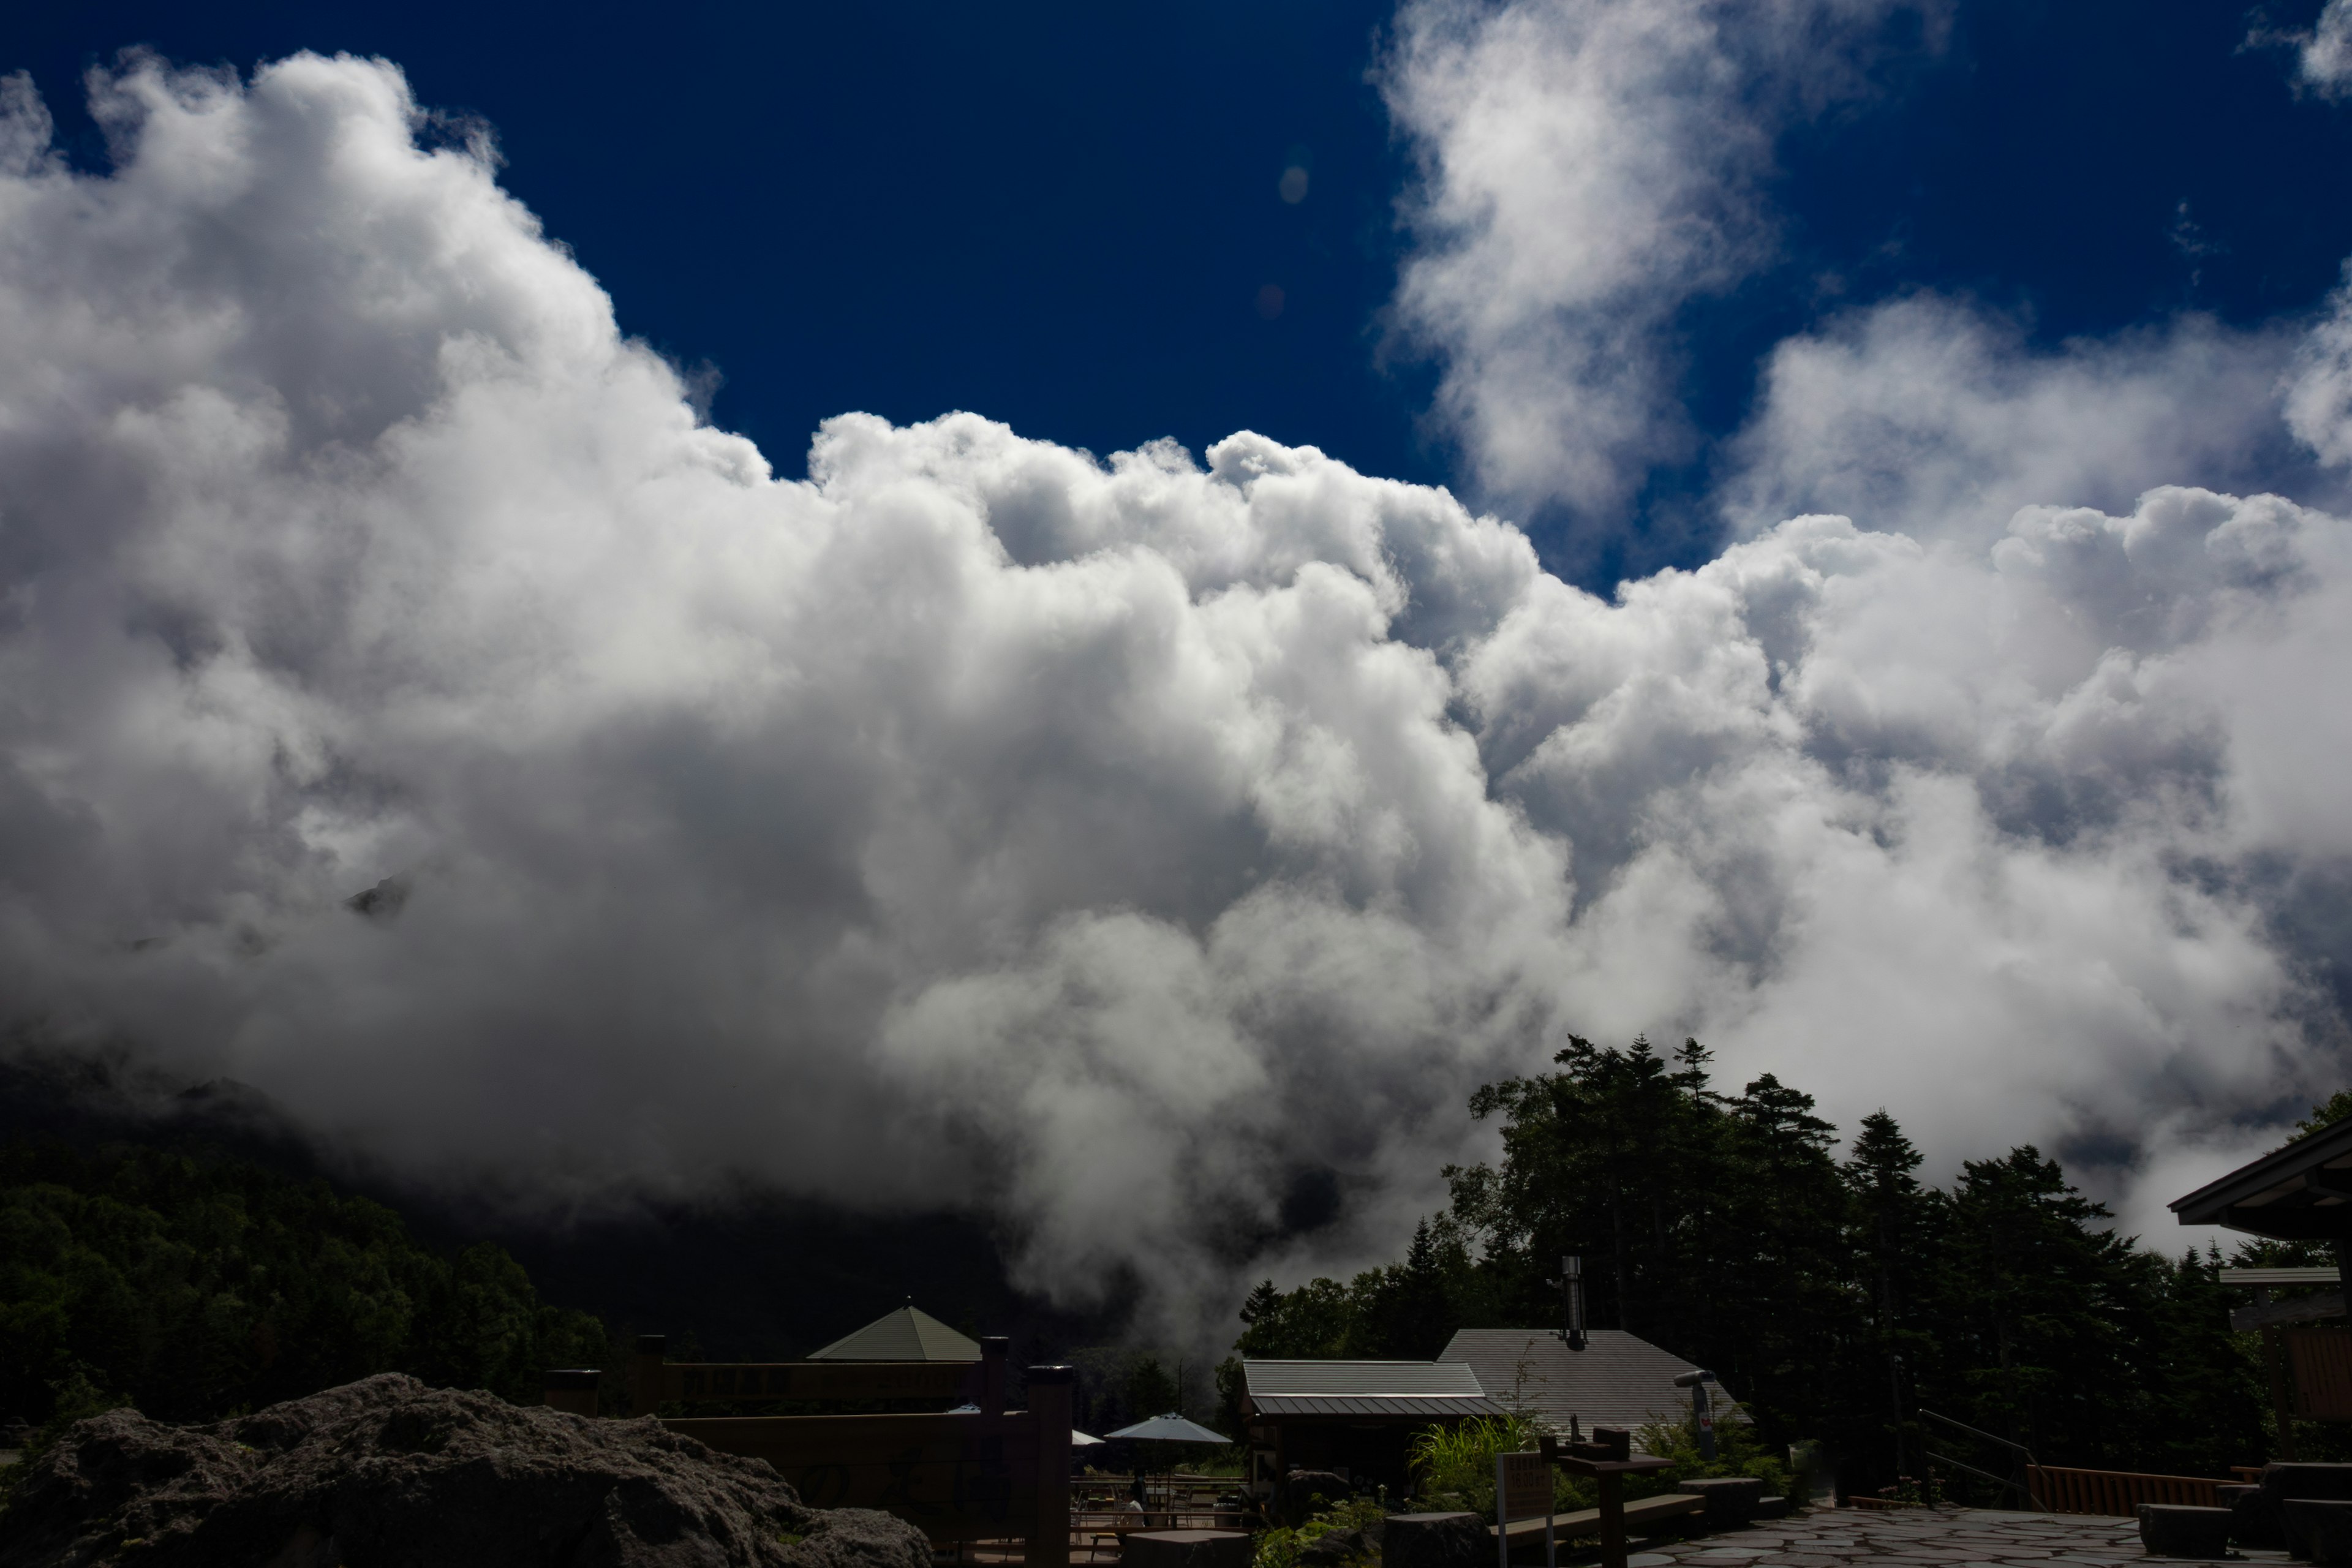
x: 1730, y: 1499
x: 2319, y: 1530
x: 2179, y: 1529
x: 2254, y: 1518
x: 2281, y: 1480
x: 1338, y: 1548
x: 387, y: 1473
x: 1436, y: 1540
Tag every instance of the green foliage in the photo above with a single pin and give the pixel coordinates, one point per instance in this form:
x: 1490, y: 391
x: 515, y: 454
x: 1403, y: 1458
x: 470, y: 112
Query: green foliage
x: 1150, y: 1390
x: 1403, y: 1312
x: 1739, y: 1450
x: 1279, y: 1547
x: 2327, y: 1112
x: 1118, y: 1385
x: 1276, y: 1548
x: 1230, y: 1389
x: 1453, y: 1466
x: 1838, y: 1298
x: 196, y: 1286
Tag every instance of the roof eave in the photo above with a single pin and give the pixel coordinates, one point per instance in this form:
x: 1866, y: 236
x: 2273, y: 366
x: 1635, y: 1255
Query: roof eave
x: 2224, y: 1200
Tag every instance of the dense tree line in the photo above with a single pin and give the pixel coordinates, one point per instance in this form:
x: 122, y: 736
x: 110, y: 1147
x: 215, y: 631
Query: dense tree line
x: 1838, y: 1296
x: 195, y: 1286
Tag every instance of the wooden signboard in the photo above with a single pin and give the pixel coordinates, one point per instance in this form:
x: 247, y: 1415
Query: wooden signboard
x: 2322, y: 1359
x: 1523, y: 1490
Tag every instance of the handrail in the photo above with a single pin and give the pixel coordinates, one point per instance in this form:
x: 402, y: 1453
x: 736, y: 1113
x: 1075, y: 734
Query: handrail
x: 2009, y: 1485
x: 2023, y: 1487
x: 1973, y: 1432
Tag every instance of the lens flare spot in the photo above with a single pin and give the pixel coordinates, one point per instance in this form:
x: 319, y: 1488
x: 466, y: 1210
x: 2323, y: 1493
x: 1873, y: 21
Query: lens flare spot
x: 1269, y: 300
x: 1294, y: 184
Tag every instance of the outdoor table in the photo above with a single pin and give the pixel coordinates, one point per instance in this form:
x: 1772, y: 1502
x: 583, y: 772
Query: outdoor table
x: 1608, y: 1460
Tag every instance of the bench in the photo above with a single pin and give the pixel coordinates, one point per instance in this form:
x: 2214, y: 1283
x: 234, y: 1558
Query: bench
x: 1586, y: 1521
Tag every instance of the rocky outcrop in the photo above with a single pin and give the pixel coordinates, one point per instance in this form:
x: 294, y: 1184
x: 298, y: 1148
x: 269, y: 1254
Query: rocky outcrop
x: 1731, y: 1500
x: 2319, y: 1530
x: 387, y: 1473
x: 1436, y: 1540
x: 2179, y: 1530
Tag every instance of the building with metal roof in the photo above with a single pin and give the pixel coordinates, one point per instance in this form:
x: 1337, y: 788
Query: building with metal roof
x: 1617, y: 1380
x: 2300, y: 1192
x: 908, y: 1334
x: 1410, y: 1388
x: 1355, y: 1417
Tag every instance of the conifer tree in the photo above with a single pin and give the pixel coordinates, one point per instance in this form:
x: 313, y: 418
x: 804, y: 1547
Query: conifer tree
x: 1838, y: 1300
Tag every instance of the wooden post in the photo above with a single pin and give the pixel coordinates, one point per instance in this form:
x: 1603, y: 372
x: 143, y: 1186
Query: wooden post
x: 645, y: 1374
x: 993, y: 1349
x: 1502, y: 1516
x: 572, y: 1388
x: 2282, y: 1412
x: 1049, y: 1407
x: 1608, y: 1459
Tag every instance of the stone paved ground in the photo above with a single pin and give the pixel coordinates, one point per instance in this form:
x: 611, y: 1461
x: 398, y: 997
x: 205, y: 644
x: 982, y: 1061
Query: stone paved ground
x: 1911, y: 1538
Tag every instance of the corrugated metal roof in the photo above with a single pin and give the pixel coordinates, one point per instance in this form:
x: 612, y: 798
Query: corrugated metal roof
x: 1447, y: 1378
x: 1618, y: 1379
x: 1412, y: 1406
x: 908, y: 1334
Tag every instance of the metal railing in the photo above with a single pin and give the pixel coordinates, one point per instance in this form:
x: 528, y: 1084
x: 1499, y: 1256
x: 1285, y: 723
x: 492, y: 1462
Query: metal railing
x: 2018, y: 1483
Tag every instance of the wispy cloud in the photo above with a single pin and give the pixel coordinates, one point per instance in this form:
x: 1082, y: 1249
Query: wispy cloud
x: 2324, y: 55
x: 1588, y: 168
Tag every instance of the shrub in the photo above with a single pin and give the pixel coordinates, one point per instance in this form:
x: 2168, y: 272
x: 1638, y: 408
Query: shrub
x: 1455, y: 1466
x: 1739, y: 1450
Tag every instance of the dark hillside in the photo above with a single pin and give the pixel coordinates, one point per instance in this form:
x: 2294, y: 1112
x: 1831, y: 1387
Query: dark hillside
x: 152, y: 1177
x: 198, y: 1284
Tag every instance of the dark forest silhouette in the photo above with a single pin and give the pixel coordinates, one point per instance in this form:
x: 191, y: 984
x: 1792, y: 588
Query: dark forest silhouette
x: 1835, y: 1297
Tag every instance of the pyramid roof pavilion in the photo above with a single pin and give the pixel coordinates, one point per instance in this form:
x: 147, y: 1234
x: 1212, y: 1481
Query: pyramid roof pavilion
x: 908, y: 1334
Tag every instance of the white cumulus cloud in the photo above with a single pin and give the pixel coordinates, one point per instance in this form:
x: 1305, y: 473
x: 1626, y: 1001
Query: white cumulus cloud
x: 1587, y: 168
x: 1128, y: 848
x: 1934, y: 418
x: 2324, y: 55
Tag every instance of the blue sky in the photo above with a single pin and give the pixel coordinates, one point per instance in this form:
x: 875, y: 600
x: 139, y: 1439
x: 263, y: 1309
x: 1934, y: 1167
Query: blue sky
x: 1062, y: 215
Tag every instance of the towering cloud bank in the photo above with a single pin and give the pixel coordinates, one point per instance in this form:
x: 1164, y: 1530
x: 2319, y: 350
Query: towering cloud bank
x: 410, y: 708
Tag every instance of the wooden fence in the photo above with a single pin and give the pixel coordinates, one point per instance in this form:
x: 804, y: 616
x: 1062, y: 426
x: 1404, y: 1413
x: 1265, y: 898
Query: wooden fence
x: 2117, y: 1492
x: 987, y: 1474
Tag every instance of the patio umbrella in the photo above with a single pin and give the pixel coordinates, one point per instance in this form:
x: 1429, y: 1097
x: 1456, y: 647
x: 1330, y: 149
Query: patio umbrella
x: 1171, y: 1429
x: 1077, y: 1440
